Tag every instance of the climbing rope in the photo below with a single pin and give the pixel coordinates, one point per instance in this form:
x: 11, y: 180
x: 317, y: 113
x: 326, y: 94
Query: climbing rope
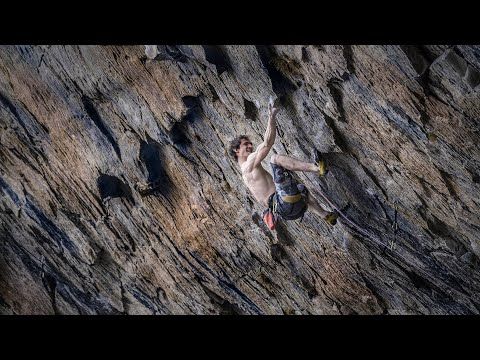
x: 366, y: 233
x: 346, y: 218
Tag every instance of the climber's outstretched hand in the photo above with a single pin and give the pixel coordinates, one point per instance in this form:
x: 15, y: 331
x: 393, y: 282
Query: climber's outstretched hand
x: 272, y: 110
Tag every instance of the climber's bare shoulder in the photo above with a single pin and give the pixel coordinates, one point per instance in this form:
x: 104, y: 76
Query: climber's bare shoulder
x: 252, y: 170
x: 248, y: 166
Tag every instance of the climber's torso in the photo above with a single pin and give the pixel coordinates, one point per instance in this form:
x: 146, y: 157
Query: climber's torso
x: 259, y: 182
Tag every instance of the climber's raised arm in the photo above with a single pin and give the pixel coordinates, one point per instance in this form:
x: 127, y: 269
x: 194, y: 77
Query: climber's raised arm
x: 268, y: 139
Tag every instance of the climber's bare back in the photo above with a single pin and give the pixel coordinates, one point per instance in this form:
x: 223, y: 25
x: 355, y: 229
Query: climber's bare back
x: 258, y: 180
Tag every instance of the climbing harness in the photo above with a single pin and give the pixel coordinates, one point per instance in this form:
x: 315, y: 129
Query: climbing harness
x: 269, y: 214
x: 292, y: 199
x: 275, y: 210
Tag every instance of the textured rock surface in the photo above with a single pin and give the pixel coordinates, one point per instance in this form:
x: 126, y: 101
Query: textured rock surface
x: 80, y: 125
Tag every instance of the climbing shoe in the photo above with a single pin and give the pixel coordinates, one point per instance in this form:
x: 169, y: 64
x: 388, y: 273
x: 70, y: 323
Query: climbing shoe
x: 331, y: 218
x: 320, y: 162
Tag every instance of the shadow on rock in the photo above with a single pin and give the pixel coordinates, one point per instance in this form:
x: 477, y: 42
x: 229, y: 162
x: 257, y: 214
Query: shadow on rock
x: 157, y: 180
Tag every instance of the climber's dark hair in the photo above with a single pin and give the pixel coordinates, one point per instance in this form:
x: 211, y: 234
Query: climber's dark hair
x: 235, y: 144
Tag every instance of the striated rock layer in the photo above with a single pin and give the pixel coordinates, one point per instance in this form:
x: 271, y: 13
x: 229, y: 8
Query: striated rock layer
x: 81, y: 125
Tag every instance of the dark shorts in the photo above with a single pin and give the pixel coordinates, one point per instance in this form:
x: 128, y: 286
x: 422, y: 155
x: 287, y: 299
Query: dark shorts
x: 286, y: 185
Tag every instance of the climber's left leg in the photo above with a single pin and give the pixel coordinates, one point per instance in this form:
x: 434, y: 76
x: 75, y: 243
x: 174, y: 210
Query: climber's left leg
x: 293, y: 164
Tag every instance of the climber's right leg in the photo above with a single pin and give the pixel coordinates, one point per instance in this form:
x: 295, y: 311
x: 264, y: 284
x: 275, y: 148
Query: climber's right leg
x: 329, y: 216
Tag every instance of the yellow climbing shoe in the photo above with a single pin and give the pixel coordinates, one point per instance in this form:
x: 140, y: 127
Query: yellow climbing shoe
x: 320, y: 162
x: 322, y: 168
x: 331, y: 218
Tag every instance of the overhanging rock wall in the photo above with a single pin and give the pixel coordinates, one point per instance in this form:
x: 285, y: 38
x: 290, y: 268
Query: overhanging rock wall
x: 81, y: 125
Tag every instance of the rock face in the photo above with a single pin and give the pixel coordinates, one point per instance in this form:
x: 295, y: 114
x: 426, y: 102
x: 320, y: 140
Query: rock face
x: 81, y: 125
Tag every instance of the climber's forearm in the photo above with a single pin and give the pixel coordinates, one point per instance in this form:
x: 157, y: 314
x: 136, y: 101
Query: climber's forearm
x: 271, y: 132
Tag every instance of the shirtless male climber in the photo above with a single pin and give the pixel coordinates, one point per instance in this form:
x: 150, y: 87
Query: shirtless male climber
x: 282, y: 195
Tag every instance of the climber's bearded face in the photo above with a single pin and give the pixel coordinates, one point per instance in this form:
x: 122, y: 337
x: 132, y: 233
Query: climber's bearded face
x: 245, y: 148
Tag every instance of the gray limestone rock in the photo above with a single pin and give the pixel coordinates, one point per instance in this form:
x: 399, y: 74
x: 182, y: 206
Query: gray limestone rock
x: 81, y: 126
